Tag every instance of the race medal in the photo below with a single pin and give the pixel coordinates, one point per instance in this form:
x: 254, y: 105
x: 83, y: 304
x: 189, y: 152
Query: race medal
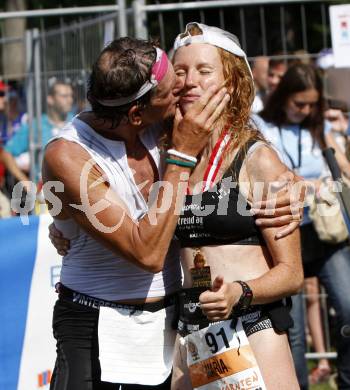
x: 201, y: 276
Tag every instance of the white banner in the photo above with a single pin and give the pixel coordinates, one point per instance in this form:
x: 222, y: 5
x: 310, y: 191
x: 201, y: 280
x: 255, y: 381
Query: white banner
x: 340, y: 31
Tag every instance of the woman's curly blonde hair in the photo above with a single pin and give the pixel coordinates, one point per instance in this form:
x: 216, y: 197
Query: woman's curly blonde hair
x: 240, y: 84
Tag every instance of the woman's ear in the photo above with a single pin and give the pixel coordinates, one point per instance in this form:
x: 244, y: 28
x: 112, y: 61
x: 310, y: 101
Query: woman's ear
x: 135, y: 115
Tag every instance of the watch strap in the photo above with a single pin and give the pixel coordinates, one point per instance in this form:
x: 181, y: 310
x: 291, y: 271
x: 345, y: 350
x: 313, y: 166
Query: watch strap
x: 246, y: 297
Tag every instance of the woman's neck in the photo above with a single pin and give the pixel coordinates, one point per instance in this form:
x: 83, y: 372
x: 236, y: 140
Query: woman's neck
x: 215, y: 135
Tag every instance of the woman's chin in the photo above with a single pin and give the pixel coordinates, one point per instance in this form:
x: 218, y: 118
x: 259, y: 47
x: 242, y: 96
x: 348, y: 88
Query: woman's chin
x: 297, y: 120
x: 185, y: 106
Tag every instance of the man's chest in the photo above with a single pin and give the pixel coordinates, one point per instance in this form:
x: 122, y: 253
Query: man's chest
x: 144, y: 172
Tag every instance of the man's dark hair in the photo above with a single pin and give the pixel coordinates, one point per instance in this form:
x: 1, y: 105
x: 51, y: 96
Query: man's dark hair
x: 298, y: 78
x: 52, y: 87
x: 274, y: 62
x: 119, y: 71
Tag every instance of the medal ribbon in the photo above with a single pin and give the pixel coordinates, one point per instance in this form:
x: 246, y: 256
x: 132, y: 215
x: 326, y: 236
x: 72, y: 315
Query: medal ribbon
x: 215, y: 159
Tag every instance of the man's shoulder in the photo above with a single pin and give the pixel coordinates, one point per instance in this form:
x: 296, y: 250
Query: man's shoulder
x: 63, y: 154
x: 60, y: 146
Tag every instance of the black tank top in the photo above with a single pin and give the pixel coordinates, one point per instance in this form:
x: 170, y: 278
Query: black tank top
x: 219, y: 216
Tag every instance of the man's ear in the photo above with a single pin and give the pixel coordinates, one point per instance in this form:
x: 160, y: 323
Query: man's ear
x: 49, y: 100
x: 135, y: 115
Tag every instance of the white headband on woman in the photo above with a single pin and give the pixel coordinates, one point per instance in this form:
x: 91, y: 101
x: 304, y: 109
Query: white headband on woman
x: 214, y: 36
x: 159, y: 70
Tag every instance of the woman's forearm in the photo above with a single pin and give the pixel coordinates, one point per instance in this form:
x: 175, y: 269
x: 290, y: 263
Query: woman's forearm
x: 280, y: 281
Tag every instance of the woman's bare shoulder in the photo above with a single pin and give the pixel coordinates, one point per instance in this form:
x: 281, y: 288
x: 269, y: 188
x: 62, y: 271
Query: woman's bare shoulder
x: 264, y: 164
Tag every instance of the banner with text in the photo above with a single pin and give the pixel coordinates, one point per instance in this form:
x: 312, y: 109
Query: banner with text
x: 29, y: 269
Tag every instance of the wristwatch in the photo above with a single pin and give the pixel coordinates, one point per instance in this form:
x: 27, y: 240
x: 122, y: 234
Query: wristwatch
x: 246, y: 297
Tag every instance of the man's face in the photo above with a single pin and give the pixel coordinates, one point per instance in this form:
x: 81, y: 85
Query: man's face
x: 260, y: 72
x: 62, y: 99
x: 163, y: 102
x: 275, y: 75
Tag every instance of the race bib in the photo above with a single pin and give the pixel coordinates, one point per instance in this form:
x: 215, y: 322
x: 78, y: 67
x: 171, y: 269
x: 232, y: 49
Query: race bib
x: 135, y: 347
x: 221, y: 358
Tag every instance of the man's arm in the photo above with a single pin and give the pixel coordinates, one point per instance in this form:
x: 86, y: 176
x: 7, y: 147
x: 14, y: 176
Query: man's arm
x: 286, y: 209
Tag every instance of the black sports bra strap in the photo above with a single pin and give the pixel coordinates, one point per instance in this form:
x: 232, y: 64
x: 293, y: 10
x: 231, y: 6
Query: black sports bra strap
x: 237, y: 162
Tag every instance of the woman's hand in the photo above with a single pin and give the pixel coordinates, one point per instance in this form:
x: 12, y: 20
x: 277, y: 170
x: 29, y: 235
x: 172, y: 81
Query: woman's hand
x: 61, y: 244
x: 218, y: 303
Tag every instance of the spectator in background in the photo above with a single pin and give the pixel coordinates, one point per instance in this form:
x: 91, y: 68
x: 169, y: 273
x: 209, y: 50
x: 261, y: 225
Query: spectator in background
x: 15, y: 118
x: 339, y: 133
x: 302, y: 57
x: 321, y: 372
x: 16, y: 114
x: 337, y: 110
x: 59, y: 106
x: 293, y: 122
x: 3, y: 116
x: 80, y: 101
x: 4, y: 202
x: 277, y: 69
x: 260, y: 67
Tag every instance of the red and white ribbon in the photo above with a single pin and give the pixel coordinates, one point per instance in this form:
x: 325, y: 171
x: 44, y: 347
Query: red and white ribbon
x: 215, y: 160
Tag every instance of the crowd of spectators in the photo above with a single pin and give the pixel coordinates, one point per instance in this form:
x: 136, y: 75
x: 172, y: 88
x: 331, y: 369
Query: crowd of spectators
x: 15, y: 153
x: 336, y: 131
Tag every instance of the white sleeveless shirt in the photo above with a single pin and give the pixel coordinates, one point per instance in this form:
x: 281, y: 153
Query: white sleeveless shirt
x: 91, y: 268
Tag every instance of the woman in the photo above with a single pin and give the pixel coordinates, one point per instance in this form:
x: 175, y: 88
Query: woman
x: 293, y: 121
x: 231, y: 269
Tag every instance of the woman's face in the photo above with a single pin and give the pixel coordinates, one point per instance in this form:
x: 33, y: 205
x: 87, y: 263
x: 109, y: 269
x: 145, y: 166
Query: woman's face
x: 197, y: 67
x: 300, y: 105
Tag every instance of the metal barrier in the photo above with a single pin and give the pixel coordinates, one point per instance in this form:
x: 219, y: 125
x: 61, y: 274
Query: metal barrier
x: 232, y: 15
x: 322, y: 296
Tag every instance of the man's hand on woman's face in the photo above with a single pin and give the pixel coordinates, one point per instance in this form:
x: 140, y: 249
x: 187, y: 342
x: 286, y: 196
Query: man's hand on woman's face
x: 285, y: 208
x: 61, y: 244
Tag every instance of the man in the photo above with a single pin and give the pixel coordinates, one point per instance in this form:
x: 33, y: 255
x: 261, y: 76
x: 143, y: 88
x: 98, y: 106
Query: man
x: 112, y: 320
x: 260, y: 69
x: 277, y: 69
x: 59, y: 105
